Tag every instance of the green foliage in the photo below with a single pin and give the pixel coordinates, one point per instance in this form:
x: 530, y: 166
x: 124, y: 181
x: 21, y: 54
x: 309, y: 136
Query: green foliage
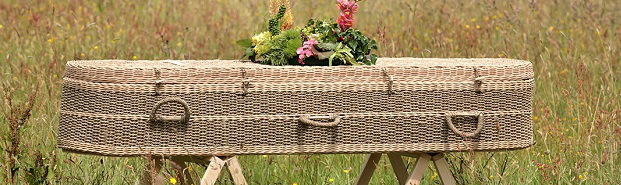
x: 322, y: 30
x: 326, y: 46
x: 245, y: 43
x: 361, y: 46
x: 343, y: 54
x: 283, y: 47
x: 274, y: 22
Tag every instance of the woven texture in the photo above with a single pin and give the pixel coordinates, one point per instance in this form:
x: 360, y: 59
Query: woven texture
x: 125, y: 108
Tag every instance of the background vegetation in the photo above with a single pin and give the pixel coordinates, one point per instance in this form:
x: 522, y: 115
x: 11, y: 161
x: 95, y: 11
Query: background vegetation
x: 573, y: 44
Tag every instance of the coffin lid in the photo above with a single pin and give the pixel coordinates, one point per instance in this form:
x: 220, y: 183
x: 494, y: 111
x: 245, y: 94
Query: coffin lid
x: 235, y: 71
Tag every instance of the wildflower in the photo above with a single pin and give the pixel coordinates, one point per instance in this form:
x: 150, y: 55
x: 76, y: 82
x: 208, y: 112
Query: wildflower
x: 473, y: 19
x: 179, y: 34
x: 1, y: 26
x: 54, y: 76
x: 551, y: 28
x: 134, y: 57
x: 491, y: 177
x: 478, y: 27
x: 190, y: 168
x: 51, y: 40
x: 179, y: 44
x: 467, y: 26
x: 264, y: 156
x: 295, y: 183
x: 331, y: 180
x: 564, y: 71
x: 173, y: 180
x: 345, y: 171
x: 306, y: 50
x: 580, y: 176
x: 346, y: 17
x: 82, y: 55
x: 96, y: 47
x: 486, y: 18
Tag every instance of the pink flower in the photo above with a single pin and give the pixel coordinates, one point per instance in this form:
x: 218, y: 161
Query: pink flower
x: 346, y: 17
x: 306, y: 50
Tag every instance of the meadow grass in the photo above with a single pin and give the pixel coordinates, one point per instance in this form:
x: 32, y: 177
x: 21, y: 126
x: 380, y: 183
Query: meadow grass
x: 573, y: 44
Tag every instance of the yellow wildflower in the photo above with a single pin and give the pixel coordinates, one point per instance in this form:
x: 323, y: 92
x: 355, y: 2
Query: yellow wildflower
x: 1, y: 26
x: 173, y: 180
x: 473, y: 19
x: 478, y: 27
x: 564, y: 71
x: 467, y: 26
x: 331, y: 180
x: 497, y: 28
x: 580, y: 176
x: 178, y: 43
x: 295, y: 183
x: 96, y: 47
x: 345, y: 171
x: 190, y: 168
x: 486, y: 18
x: 51, y: 40
x: 82, y: 55
x: 491, y: 177
x: 551, y: 28
x: 135, y: 57
x: 179, y: 33
x: 55, y: 76
x: 264, y: 156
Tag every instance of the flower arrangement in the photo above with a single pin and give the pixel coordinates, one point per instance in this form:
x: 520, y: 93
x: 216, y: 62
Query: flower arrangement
x: 320, y: 42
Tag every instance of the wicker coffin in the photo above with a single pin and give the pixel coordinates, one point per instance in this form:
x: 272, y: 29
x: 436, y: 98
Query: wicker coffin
x: 126, y: 108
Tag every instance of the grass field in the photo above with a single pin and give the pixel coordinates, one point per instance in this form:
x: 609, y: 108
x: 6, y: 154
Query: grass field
x: 574, y: 45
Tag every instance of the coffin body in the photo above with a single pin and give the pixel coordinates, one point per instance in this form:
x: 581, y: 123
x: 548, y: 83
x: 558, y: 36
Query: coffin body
x: 125, y: 108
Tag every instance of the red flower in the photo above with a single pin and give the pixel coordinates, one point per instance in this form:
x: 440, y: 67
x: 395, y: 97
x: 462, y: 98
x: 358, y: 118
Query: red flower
x: 346, y: 17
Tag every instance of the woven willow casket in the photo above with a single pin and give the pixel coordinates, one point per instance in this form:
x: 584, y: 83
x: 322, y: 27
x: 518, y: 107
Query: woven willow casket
x: 125, y: 108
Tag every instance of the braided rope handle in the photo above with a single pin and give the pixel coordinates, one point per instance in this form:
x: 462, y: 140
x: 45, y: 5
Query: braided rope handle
x: 449, y: 121
x: 183, y: 119
x: 336, y: 119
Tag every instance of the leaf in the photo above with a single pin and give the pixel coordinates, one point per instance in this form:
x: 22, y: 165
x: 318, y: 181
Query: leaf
x: 324, y: 55
x: 245, y: 43
x: 249, y: 52
x: 326, y: 46
x: 373, y: 59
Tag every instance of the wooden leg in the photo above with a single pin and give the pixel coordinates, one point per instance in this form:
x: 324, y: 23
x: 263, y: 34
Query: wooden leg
x: 368, y: 169
x: 443, y: 169
x: 235, y: 171
x: 213, y: 171
x: 419, y: 169
x: 398, y: 167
